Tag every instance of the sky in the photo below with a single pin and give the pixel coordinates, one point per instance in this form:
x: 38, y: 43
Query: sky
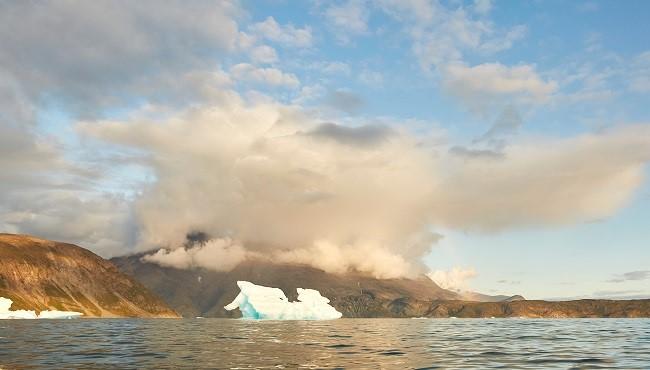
x: 497, y: 146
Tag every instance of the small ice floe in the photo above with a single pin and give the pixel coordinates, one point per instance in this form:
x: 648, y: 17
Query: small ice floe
x: 7, y: 313
x: 260, y: 302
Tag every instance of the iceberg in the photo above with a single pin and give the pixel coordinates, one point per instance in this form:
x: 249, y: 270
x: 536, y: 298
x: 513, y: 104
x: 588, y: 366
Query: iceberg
x: 265, y: 303
x: 7, y: 313
x: 59, y: 314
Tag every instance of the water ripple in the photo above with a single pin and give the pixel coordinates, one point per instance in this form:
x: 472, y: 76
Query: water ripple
x: 359, y: 343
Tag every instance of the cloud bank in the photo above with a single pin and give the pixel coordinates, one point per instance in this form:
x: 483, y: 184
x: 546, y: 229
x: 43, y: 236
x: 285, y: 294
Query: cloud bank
x: 279, y: 182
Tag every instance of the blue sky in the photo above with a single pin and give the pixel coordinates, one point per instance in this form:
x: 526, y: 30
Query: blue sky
x: 122, y: 129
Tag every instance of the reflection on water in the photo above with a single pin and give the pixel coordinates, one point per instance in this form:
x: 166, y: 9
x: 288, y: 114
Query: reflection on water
x: 345, y: 343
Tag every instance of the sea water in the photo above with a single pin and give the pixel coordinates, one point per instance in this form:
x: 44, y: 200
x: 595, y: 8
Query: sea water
x: 344, y: 343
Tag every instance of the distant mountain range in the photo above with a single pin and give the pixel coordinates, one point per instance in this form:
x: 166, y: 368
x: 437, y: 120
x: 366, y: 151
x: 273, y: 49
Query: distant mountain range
x: 38, y: 274
x: 478, y: 297
x: 201, y: 292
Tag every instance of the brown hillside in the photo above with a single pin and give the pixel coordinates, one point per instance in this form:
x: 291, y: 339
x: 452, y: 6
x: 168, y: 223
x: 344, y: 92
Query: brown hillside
x: 40, y: 274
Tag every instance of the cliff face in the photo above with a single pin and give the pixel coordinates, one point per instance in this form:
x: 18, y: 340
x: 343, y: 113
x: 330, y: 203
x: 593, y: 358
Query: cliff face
x: 40, y: 275
x: 201, y: 292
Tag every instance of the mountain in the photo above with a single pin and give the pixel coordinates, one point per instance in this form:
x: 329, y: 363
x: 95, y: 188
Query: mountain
x: 201, y: 292
x: 39, y: 274
x: 478, y: 297
x: 539, y: 309
x: 513, y: 298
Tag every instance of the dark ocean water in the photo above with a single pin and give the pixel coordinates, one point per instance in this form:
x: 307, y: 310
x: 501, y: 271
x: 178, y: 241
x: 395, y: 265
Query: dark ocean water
x: 345, y: 343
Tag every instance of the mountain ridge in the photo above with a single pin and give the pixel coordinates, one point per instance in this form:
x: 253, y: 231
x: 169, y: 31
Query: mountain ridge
x: 39, y: 274
x: 200, y: 292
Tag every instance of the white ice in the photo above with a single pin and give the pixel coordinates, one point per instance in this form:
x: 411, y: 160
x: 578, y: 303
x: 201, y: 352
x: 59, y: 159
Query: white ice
x: 7, y: 313
x: 260, y: 302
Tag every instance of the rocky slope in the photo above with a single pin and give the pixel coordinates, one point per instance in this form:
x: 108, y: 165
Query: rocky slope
x: 40, y: 275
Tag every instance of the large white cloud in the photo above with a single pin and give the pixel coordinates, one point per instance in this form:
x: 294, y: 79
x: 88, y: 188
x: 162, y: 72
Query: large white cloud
x: 288, y: 186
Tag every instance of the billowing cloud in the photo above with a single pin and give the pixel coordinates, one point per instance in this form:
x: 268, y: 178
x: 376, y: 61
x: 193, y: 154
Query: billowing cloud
x: 282, y: 184
x: 359, y: 256
x: 277, y: 181
x: 455, y: 279
x: 215, y: 254
x: 547, y: 182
